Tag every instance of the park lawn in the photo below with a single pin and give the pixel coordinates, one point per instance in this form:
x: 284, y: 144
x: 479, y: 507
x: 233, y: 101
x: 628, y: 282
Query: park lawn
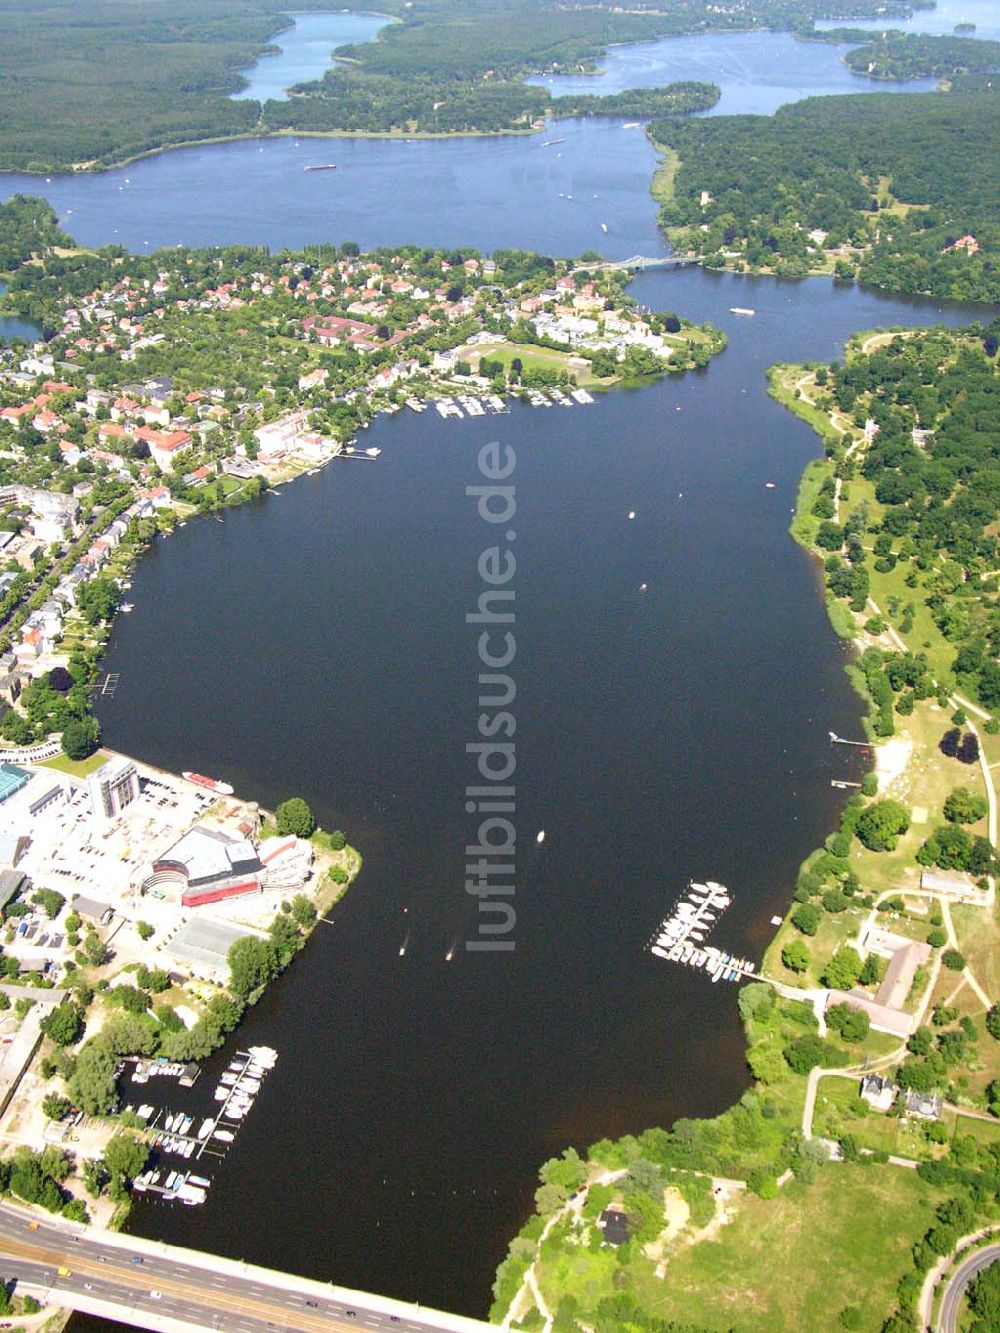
x: 840, y: 1111
x: 77, y: 768
x: 794, y: 1262
x: 542, y: 358
x: 978, y: 934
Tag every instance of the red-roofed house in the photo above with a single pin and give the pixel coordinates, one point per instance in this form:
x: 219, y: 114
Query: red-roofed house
x: 163, y: 445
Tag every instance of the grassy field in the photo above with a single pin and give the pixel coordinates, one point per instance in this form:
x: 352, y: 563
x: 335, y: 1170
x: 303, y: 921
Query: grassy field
x: 796, y: 1261
x: 77, y: 768
x: 543, y: 358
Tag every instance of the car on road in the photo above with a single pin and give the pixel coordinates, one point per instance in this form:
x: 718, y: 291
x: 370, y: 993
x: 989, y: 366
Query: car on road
x: 32, y: 1226
x: 137, y: 1259
x: 64, y: 1272
x: 156, y: 1295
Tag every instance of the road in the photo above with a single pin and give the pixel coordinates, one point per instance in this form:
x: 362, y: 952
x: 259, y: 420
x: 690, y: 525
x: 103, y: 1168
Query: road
x: 955, y: 1290
x: 151, y: 1285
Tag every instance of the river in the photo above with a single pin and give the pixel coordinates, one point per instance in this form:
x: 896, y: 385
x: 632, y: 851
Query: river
x: 316, y: 644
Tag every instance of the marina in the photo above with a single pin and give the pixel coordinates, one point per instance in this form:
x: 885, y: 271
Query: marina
x: 466, y: 405
x: 679, y: 938
x: 173, y: 1133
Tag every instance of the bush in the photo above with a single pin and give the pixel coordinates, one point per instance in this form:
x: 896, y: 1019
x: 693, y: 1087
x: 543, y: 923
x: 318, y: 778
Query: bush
x: 937, y: 939
x: 953, y: 960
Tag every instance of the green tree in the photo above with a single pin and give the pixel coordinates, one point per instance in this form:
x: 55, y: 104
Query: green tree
x: 62, y: 1024
x: 844, y: 969
x: 253, y: 963
x: 125, y: 1156
x: 81, y: 737
x: 294, y: 816
x: 953, y: 960
x: 880, y: 825
x: 806, y: 918
x: 963, y: 806
x: 92, y: 1086
x: 795, y: 956
x: 303, y: 911
x: 55, y: 1106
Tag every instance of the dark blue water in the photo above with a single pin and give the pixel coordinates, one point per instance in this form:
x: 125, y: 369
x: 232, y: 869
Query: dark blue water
x: 306, y: 52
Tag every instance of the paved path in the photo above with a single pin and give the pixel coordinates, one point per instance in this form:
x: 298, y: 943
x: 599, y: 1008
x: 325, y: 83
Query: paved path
x: 970, y: 1268
x: 146, y: 1284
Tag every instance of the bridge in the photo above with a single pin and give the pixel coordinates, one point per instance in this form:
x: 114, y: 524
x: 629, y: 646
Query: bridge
x: 641, y: 262
x: 147, y: 1284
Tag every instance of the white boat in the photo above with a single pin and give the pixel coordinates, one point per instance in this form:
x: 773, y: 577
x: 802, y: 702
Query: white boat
x: 223, y: 1135
x: 221, y: 1093
x: 741, y: 310
x: 660, y: 953
x: 604, y: 227
x: 541, y: 836
x: 205, y: 1128
x: 251, y: 1084
x: 203, y: 1181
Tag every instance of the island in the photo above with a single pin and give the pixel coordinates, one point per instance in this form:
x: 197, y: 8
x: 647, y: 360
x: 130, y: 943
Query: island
x: 839, y: 1191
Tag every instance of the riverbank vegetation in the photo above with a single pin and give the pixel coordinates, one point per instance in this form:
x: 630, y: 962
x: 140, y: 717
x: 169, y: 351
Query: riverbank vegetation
x: 888, y: 189
x: 89, y: 87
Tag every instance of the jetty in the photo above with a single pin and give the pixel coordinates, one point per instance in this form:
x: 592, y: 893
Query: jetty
x: 680, y: 937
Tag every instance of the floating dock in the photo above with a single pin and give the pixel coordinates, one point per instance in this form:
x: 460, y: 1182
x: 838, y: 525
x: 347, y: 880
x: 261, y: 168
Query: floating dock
x: 680, y: 937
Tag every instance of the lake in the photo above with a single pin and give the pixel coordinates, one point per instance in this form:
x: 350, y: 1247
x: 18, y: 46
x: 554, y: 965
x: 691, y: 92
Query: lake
x: 488, y: 192
x: 757, y: 71
x: 306, y: 51
x: 316, y: 644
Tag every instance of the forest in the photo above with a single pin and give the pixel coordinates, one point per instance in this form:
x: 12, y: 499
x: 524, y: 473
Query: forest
x: 896, y: 55
x: 888, y: 182
x: 94, y: 85
x: 934, y: 469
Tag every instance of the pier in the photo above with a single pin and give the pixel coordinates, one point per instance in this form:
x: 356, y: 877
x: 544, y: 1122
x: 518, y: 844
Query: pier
x: 679, y: 938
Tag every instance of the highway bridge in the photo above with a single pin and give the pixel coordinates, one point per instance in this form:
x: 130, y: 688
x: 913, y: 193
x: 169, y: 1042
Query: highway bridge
x: 163, y: 1287
x: 640, y: 262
